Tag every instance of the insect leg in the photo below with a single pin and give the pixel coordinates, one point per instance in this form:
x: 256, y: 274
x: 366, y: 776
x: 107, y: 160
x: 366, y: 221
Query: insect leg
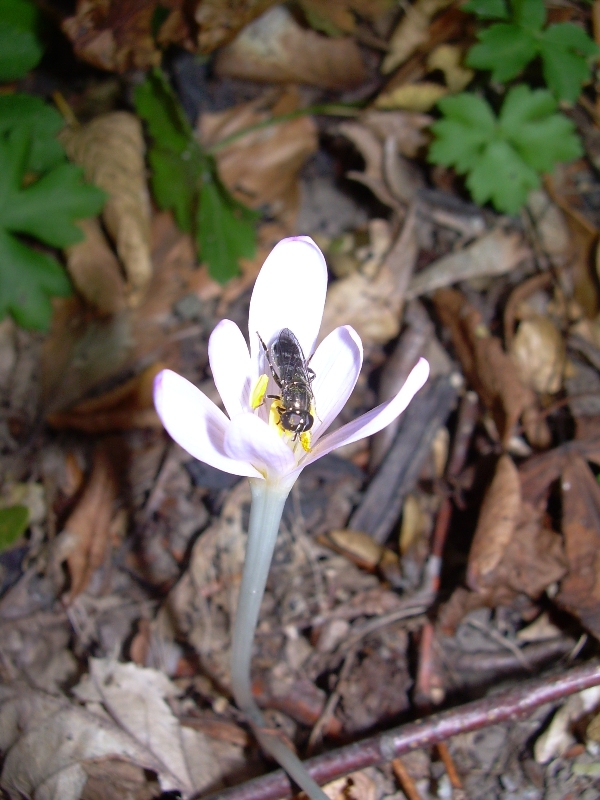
x: 276, y: 377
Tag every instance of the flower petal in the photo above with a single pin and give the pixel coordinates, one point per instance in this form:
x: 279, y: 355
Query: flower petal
x: 289, y: 293
x: 196, y: 423
x: 374, y: 420
x: 250, y: 439
x: 230, y: 364
x: 336, y: 362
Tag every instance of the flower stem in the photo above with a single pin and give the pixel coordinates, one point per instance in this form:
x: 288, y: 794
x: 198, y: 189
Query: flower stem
x: 268, y: 501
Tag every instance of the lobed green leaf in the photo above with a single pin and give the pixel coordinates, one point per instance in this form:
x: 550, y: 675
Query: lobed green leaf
x: 41, y: 121
x: 20, y: 44
x: 504, y: 49
x: 487, y: 9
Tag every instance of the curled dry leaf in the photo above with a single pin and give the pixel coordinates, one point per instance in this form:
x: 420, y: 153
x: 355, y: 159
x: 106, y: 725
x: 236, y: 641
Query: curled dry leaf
x: 580, y: 590
x: 95, y: 270
x: 111, y: 149
x: 371, y: 149
x: 87, y: 531
x: 127, y: 406
x: 512, y: 552
x: 261, y: 168
x: 219, y: 21
x: 407, y: 129
x: 539, y: 353
x: 136, y: 698
x: 448, y: 58
x: 115, y: 35
x: 274, y: 48
x: 489, y: 369
x: 494, y: 253
x: 373, y: 306
x: 411, y: 32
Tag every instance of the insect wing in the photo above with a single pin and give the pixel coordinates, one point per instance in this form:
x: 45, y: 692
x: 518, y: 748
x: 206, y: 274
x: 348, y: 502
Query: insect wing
x: 289, y: 358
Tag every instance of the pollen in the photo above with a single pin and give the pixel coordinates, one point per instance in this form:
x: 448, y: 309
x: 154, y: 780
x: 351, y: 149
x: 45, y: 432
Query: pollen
x: 258, y: 392
x: 305, y: 441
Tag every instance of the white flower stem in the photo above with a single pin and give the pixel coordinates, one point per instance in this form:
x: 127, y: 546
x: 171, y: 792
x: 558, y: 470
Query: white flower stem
x: 268, y: 500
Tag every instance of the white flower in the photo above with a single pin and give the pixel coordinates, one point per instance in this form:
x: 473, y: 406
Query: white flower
x: 289, y: 293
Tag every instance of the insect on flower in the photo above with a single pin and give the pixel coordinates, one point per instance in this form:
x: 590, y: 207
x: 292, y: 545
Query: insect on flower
x: 292, y: 374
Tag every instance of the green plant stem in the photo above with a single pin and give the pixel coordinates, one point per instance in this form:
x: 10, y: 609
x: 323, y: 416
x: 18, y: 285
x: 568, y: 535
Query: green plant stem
x: 329, y: 109
x: 268, y: 501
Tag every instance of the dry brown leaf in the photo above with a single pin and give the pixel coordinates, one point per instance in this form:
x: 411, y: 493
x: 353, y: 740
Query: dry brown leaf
x: 95, y: 270
x: 128, y: 406
x: 339, y: 16
x: 219, y: 21
x: 275, y: 49
x: 88, y: 528
x: 448, y: 58
x: 407, y: 128
x: 47, y: 742
x: 494, y: 253
x: 261, y: 168
x: 580, y: 590
x: 411, y: 32
x: 489, y: 369
x: 421, y: 96
x: 538, y: 351
x: 111, y: 150
x: 511, y: 551
x: 371, y: 149
x: 117, y: 34
x: 374, y: 306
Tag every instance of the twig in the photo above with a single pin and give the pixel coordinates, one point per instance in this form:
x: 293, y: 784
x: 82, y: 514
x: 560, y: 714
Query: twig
x: 445, y: 756
x: 405, y: 780
x: 509, y: 705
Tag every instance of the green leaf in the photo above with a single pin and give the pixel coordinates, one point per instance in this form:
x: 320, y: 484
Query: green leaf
x: 503, y: 157
x: 502, y: 177
x: 20, y: 44
x: 487, y: 9
x: 531, y: 14
x: 225, y: 230
x: 504, y: 49
x: 156, y: 104
x: 47, y: 210
x: 27, y: 280
x: 41, y: 121
x: 13, y: 523
x: 184, y: 180
x: 565, y: 51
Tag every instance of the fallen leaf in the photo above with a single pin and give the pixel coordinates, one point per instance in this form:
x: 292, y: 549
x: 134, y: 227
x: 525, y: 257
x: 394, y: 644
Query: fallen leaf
x: 557, y: 738
x: 95, y: 270
x: 88, y: 528
x: 373, y: 306
x: 421, y: 96
x: 371, y: 149
x: 46, y: 742
x: 494, y: 253
x: 335, y: 17
x: 448, y: 58
x: 411, y: 32
x: 219, y: 21
x: 111, y: 150
x: 489, y: 369
x: 136, y: 698
x: 512, y: 552
x: 117, y: 34
x: 538, y: 351
x: 580, y: 590
x: 13, y: 523
x: 355, y: 786
x: 261, y: 168
x: 407, y: 128
x: 274, y: 48
x: 130, y: 405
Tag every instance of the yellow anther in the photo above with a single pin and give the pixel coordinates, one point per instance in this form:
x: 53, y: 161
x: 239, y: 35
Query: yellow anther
x: 305, y: 440
x: 257, y: 395
x: 274, y: 418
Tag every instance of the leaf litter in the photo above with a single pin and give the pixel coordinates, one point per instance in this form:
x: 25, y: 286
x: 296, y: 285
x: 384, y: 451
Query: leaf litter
x: 121, y: 557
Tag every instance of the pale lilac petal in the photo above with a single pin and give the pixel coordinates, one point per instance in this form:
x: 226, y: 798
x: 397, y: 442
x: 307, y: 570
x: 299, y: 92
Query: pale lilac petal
x: 289, y: 293
x: 230, y: 364
x: 196, y: 423
x: 374, y: 420
x: 250, y: 439
x: 336, y: 363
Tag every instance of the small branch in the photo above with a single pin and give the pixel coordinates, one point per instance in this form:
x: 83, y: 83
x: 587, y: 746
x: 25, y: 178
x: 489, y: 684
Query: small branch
x: 513, y: 704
